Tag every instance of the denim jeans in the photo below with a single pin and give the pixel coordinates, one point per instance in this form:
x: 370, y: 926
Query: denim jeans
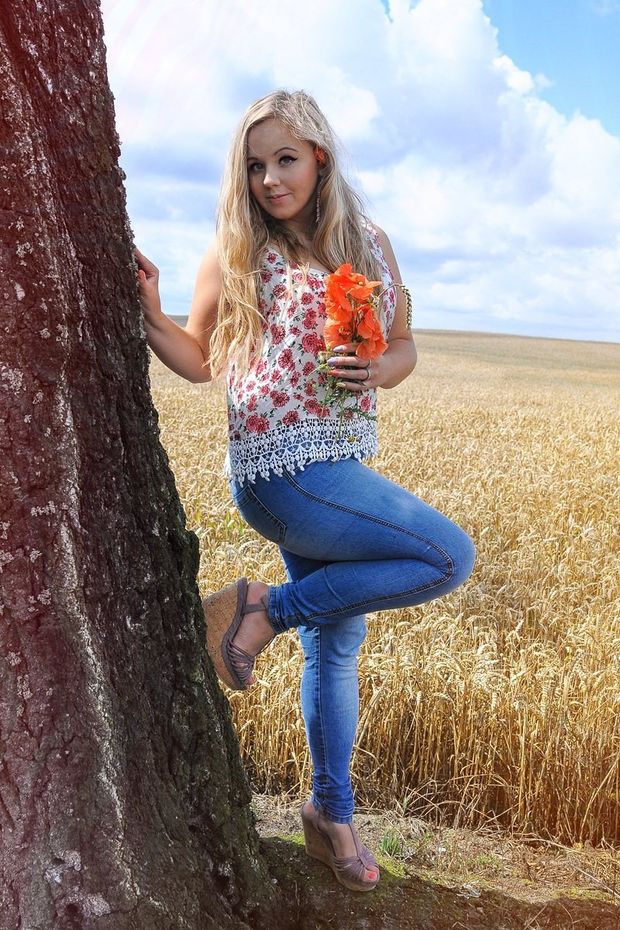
x: 352, y: 541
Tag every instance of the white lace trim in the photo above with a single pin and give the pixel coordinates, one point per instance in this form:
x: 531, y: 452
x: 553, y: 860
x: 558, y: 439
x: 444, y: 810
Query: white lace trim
x: 293, y: 447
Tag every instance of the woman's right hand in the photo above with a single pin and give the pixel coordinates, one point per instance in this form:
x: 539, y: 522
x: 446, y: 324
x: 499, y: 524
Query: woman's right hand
x: 148, y: 285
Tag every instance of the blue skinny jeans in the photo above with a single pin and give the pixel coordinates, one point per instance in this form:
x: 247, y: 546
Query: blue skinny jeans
x: 352, y: 541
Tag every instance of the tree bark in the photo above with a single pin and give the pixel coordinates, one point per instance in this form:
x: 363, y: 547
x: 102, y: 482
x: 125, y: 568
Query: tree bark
x: 123, y: 802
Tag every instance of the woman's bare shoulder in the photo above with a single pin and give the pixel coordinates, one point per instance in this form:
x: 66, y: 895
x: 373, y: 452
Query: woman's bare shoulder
x: 386, y: 248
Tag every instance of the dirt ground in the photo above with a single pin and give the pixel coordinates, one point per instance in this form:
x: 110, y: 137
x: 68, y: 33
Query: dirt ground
x: 443, y: 879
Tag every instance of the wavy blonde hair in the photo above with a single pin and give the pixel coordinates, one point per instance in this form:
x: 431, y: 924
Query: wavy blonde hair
x: 244, y: 229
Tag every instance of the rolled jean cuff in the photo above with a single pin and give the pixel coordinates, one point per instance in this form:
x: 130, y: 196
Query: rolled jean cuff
x: 323, y: 810
x: 274, y: 613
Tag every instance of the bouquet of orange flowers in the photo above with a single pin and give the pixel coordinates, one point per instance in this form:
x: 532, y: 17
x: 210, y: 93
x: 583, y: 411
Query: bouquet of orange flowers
x: 352, y: 316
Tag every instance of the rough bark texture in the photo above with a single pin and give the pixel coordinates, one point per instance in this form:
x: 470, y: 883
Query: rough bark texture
x: 123, y: 803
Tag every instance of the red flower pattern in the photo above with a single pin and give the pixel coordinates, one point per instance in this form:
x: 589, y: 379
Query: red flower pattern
x: 257, y: 424
x: 280, y: 387
x: 287, y: 359
x: 312, y: 343
x: 277, y: 333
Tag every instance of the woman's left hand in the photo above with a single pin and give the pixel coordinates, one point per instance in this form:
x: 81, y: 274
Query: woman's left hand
x: 366, y: 373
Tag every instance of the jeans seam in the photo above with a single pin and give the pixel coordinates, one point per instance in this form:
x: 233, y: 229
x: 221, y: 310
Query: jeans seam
x: 324, y: 766
x: 247, y: 494
x: 394, y: 526
x: 323, y: 747
x: 388, y: 597
x: 273, y: 611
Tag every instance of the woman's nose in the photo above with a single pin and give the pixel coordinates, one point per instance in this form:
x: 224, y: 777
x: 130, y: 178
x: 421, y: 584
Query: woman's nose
x: 271, y: 178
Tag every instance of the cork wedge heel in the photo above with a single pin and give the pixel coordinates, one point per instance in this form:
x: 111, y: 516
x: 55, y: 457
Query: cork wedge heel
x: 224, y: 612
x: 349, y: 870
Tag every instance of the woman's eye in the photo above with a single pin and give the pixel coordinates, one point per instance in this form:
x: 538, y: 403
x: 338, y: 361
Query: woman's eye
x: 257, y: 166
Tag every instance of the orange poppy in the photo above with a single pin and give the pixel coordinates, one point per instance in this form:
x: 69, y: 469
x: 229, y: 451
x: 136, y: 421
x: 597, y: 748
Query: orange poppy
x: 350, y: 317
x: 336, y: 332
x: 339, y: 311
x: 371, y: 348
x: 362, y: 290
x: 336, y: 292
x: 373, y: 342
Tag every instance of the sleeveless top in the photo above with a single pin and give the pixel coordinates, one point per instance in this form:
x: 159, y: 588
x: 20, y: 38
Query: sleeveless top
x: 277, y: 415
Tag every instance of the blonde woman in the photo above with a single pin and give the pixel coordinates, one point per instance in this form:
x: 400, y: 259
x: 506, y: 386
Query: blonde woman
x: 351, y: 540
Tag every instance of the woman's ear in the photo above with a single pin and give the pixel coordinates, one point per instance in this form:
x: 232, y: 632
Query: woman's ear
x: 320, y: 156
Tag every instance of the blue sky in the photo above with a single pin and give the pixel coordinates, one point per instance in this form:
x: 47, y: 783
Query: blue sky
x: 483, y: 134
x: 574, y: 43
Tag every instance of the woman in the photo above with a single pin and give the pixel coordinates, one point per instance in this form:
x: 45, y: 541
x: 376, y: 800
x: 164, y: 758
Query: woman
x: 351, y: 540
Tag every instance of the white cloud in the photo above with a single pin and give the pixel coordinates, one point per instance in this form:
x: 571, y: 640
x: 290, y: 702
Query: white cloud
x: 520, y: 81
x: 504, y: 214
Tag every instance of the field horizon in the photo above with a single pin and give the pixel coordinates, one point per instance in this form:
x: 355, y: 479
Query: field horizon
x: 182, y: 320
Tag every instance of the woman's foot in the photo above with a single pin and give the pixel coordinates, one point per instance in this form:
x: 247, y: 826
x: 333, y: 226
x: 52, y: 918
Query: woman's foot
x: 343, y: 841
x: 255, y: 631
x: 237, y: 630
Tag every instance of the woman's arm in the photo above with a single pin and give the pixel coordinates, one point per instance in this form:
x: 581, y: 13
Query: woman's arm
x: 183, y: 350
x: 203, y: 311
x: 400, y: 357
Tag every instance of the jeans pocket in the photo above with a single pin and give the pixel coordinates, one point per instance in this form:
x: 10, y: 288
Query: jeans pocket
x: 257, y: 515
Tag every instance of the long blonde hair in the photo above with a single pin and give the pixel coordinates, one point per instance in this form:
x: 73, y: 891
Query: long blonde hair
x: 244, y: 229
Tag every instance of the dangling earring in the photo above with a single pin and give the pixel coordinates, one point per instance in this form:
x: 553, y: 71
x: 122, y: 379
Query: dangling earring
x: 318, y: 201
x: 321, y: 157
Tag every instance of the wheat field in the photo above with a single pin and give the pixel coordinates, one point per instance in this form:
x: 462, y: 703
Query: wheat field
x: 498, y: 704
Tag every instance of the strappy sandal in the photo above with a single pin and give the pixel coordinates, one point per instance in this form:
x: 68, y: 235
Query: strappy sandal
x: 349, y: 870
x: 224, y: 611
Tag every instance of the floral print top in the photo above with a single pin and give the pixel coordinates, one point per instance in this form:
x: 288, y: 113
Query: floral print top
x: 277, y: 415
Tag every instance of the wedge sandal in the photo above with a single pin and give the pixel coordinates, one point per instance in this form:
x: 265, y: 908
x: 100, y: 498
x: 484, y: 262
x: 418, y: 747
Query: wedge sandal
x: 349, y: 870
x: 224, y: 612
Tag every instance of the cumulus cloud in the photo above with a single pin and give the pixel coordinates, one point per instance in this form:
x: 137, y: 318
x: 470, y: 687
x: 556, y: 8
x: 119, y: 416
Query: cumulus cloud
x: 504, y: 214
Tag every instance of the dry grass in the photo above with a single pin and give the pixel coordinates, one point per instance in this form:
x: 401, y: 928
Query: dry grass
x: 471, y: 861
x: 500, y: 702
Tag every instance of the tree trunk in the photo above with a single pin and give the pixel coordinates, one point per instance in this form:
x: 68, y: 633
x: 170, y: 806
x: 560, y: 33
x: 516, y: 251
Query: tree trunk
x: 123, y: 803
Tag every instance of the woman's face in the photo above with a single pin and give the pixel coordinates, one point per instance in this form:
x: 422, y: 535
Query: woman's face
x: 283, y: 174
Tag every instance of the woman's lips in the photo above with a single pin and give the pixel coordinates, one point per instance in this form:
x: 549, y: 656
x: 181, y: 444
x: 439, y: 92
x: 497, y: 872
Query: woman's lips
x: 278, y: 198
